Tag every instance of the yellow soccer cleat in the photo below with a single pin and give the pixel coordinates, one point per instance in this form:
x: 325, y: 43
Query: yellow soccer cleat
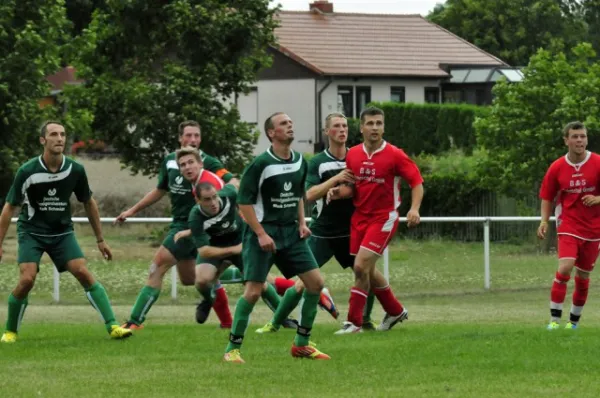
x: 9, y: 337
x: 233, y: 356
x: 571, y: 325
x: 553, y: 326
x: 268, y: 328
x: 370, y: 326
x: 117, y: 332
x: 308, y: 351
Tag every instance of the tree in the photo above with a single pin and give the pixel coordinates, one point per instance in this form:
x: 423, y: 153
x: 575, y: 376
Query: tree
x: 30, y: 37
x: 80, y: 12
x: 150, y: 64
x: 512, y: 30
x: 523, y: 133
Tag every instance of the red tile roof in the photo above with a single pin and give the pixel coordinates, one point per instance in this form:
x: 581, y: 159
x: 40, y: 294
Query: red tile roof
x: 374, y: 44
x: 64, y: 76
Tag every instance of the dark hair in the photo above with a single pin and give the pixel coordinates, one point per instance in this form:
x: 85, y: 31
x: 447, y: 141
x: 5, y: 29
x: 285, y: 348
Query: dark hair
x: 269, y: 123
x: 370, y: 111
x: 202, y: 186
x: 188, y: 123
x: 573, y: 126
x: 44, y: 126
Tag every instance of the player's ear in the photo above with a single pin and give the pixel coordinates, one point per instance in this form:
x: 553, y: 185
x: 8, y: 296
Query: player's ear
x: 42, y: 141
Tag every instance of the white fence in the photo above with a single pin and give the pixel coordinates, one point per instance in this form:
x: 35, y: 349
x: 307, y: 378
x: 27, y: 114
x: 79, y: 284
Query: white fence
x: 386, y: 255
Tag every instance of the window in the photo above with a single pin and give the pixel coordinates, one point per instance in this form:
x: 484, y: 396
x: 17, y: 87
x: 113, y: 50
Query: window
x: 363, y: 97
x: 248, y: 106
x: 453, y: 96
x: 432, y: 95
x: 345, y: 100
x: 397, y: 94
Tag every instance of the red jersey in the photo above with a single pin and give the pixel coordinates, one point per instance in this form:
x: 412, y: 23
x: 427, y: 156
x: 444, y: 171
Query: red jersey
x: 568, y: 183
x: 378, y: 177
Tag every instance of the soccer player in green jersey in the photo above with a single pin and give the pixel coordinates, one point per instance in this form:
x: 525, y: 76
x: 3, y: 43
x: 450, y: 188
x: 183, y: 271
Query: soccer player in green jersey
x: 330, y: 225
x: 216, y: 229
x: 43, y: 187
x: 271, y: 199
x: 183, y: 252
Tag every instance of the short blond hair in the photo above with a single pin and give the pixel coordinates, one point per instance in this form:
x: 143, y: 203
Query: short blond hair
x: 331, y: 116
x: 188, y: 150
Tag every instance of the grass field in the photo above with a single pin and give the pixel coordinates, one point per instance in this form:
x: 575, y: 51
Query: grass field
x: 459, y: 341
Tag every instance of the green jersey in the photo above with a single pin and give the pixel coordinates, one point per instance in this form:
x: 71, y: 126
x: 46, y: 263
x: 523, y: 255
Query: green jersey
x: 328, y: 220
x: 274, y: 187
x: 224, y: 229
x: 45, y: 196
x: 180, y: 189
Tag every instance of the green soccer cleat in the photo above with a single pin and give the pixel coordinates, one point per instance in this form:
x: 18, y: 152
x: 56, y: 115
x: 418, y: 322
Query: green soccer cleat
x: 268, y: 328
x: 553, y: 326
x: 571, y: 325
x: 9, y: 337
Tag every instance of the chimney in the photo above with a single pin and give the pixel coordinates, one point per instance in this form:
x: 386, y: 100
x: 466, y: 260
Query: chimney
x: 321, y: 6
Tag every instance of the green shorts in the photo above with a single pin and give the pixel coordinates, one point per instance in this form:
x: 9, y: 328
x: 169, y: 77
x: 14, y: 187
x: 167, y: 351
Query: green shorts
x: 292, y: 257
x: 61, y: 249
x: 184, y: 249
x: 217, y: 262
x: 325, y: 248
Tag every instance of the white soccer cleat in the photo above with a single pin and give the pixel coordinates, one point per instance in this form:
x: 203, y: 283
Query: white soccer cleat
x: 348, y: 328
x: 390, y: 320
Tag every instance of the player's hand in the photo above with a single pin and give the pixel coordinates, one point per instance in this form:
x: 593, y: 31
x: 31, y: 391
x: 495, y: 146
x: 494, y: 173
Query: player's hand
x: 590, y: 200
x: 542, y: 230
x: 123, y: 216
x: 304, y: 231
x: 333, y: 194
x: 105, y: 250
x: 267, y: 243
x: 413, y: 218
x: 182, y: 234
x: 237, y: 249
x: 345, y: 176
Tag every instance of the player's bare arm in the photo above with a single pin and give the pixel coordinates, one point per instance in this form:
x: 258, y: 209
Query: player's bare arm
x: 412, y: 217
x: 340, y: 192
x: 302, y: 227
x: 7, y: 212
x: 235, y: 182
x: 148, y: 200
x: 319, y: 191
x: 264, y: 240
x: 219, y: 252
x: 546, y: 210
x: 93, y: 215
x: 182, y: 234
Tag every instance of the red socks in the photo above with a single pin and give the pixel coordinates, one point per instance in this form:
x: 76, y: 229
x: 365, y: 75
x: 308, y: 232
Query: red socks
x: 388, y: 301
x: 282, y: 284
x: 358, y: 300
x: 221, y: 307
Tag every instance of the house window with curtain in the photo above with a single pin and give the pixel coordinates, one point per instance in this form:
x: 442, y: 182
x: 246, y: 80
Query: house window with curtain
x: 432, y: 95
x: 346, y: 100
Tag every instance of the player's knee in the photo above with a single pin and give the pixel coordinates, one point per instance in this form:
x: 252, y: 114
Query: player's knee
x: 187, y: 280
x: 26, y: 282
x: 202, y: 283
x: 253, y: 292
x: 361, y: 272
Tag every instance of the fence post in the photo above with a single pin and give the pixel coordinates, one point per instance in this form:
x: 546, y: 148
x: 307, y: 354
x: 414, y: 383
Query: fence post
x: 486, y: 254
x: 56, y: 291
x: 386, y: 264
x: 174, y: 282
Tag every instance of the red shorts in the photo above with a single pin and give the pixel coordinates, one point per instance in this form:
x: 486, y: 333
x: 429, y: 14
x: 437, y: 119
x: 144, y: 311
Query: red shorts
x: 584, y: 252
x: 372, y: 233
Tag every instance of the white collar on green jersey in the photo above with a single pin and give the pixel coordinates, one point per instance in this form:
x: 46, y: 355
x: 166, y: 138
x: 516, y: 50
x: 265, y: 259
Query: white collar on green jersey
x: 41, y: 160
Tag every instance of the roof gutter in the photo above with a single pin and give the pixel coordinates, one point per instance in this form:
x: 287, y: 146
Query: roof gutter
x: 318, y: 123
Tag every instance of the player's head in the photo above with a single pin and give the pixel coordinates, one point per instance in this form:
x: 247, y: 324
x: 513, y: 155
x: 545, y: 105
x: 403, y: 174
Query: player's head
x: 575, y: 136
x: 372, y: 124
x: 189, y: 162
x: 189, y: 134
x: 336, y: 128
x: 53, y: 137
x: 207, y: 198
x: 280, y: 128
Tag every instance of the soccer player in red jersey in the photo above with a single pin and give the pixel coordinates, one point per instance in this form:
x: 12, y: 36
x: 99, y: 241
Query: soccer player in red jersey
x: 572, y: 181
x: 378, y: 167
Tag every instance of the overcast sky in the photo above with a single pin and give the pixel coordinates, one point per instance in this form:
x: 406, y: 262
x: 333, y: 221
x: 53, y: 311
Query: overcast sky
x: 422, y: 7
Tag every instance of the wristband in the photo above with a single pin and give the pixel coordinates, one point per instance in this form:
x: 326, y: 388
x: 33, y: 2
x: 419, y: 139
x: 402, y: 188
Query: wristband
x: 543, y: 222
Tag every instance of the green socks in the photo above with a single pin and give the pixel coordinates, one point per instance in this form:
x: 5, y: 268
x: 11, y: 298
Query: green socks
x: 369, y: 307
x: 309, y: 312
x: 271, y: 298
x: 290, y: 300
x: 243, y: 309
x: 16, y: 309
x: 99, y: 300
x: 147, y: 297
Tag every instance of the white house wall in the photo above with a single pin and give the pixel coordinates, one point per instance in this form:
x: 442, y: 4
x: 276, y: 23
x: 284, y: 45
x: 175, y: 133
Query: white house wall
x: 380, y: 91
x: 296, y: 97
